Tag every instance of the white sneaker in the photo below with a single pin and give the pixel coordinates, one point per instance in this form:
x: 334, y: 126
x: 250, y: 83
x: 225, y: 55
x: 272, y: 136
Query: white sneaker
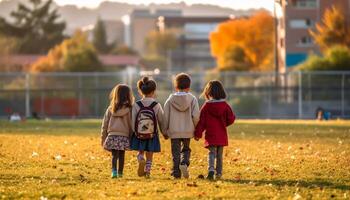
x: 184, y: 171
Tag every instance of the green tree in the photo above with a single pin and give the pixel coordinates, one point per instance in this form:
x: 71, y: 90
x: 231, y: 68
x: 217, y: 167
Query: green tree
x: 100, y: 37
x: 333, y: 30
x: 336, y: 58
x: 158, y: 43
x: 76, y: 54
x: 35, y: 25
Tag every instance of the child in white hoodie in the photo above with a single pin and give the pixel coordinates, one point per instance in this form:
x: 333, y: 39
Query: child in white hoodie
x: 181, y: 115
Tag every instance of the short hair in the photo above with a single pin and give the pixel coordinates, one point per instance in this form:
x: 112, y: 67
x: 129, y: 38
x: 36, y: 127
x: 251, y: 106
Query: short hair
x: 182, y: 81
x: 215, y: 90
x: 146, y: 85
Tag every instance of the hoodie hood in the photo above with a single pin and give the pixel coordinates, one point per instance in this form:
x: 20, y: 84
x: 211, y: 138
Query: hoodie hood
x: 181, y: 101
x: 217, y: 108
x: 121, y: 112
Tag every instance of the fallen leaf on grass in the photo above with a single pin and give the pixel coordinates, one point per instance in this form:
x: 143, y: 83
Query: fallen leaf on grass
x: 194, y: 184
x: 35, y: 154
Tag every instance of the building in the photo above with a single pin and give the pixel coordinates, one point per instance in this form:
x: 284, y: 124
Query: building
x: 143, y: 21
x: 294, y: 20
x: 193, y: 49
x: 192, y: 34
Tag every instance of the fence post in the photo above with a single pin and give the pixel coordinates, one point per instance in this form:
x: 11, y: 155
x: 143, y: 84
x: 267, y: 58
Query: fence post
x: 269, y: 104
x: 27, y: 94
x: 80, y: 95
x: 342, y: 96
x: 300, y: 97
x: 97, y: 100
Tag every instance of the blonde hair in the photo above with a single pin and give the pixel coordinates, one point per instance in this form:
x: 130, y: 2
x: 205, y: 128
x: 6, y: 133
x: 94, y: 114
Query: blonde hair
x: 120, y: 96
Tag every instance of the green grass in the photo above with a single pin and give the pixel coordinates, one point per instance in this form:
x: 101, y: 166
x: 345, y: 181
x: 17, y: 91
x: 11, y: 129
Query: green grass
x: 265, y: 160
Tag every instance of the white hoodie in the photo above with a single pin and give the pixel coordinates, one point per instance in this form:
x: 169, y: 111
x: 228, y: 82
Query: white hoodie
x: 181, y: 115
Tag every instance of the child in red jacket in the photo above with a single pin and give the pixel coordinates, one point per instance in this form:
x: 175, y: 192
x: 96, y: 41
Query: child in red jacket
x: 215, y: 116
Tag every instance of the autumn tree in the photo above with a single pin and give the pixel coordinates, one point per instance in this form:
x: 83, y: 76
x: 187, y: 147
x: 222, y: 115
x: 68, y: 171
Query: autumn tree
x: 253, y: 35
x: 75, y: 54
x: 35, y: 25
x: 333, y: 30
x: 235, y: 58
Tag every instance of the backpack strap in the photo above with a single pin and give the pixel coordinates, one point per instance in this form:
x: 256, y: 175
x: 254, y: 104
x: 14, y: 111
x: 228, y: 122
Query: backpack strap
x: 139, y: 103
x: 153, y: 104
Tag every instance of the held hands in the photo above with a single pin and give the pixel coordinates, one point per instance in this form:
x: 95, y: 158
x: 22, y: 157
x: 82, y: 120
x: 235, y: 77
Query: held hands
x: 196, y: 138
x: 166, y: 137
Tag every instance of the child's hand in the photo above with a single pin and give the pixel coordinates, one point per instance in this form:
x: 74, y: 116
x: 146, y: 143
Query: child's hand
x: 166, y: 137
x: 196, y: 138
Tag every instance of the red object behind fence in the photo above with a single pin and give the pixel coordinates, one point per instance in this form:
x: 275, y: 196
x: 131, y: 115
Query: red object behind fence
x: 61, y: 107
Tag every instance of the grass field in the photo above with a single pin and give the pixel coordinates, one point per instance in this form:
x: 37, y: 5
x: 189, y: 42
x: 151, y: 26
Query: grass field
x: 265, y: 160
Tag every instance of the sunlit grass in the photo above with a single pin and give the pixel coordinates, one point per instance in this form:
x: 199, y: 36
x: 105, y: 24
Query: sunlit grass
x: 265, y: 159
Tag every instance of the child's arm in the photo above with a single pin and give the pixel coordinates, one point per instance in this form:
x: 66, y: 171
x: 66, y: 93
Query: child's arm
x: 104, y: 127
x: 133, y: 117
x: 201, y: 126
x: 230, y: 116
x: 166, y: 117
x: 195, y: 112
x: 130, y: 123
x: 160, y: 119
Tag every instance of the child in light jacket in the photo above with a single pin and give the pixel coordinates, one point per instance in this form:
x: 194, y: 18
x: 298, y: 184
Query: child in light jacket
x: 146, y: 123
x: 116, y: 126
x: 181, y: 115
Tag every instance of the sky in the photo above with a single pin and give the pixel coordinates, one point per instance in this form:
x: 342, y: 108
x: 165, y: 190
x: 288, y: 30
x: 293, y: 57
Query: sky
x: 236, y: 4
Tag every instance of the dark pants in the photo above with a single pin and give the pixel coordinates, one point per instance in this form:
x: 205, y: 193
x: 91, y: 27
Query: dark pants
x: 118, y: 155
x: 181, y: 152
x: 215, y: 153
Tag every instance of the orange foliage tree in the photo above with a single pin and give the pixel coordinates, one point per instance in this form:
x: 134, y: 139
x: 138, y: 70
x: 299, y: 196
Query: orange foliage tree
x: 253, y: 35
x: 75, y: 54
x: 333, y: 30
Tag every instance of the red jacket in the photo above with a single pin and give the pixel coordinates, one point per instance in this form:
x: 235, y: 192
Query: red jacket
x: 215, y: 116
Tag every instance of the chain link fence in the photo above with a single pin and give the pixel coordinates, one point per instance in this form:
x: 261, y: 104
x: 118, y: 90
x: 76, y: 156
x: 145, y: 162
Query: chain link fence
x: 251, y: 94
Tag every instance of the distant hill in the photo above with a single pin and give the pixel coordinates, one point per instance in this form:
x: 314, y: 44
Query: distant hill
x: 81, y: 17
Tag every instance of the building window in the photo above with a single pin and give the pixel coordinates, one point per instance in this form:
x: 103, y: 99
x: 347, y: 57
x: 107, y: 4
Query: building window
x: 300, y: 23
x: 305, y: 41
x: 305, y: 3
x: 199, y: 30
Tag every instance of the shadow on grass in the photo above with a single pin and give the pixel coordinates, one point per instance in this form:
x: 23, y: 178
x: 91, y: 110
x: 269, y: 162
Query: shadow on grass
x: 292, y: 183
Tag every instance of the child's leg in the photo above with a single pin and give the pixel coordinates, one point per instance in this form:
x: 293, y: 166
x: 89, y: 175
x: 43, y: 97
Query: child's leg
x: 121, y: 162
x: 142, y: 163
x: 219, y: 161
x: 186, y: 151
x: 114, y: 159
x: 211, y: 158
x: 175, y: 151
x: 140, y: 155
x: 149, y: 158
x: 185, y: 155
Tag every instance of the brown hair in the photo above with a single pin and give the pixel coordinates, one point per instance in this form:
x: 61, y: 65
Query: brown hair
x: 215, y: 90
x: 182, y: 81
x: 120, y: 96
x: 146, y: 85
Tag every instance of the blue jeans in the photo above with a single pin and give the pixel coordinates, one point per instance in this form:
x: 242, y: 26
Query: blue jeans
x: 215, y: 153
